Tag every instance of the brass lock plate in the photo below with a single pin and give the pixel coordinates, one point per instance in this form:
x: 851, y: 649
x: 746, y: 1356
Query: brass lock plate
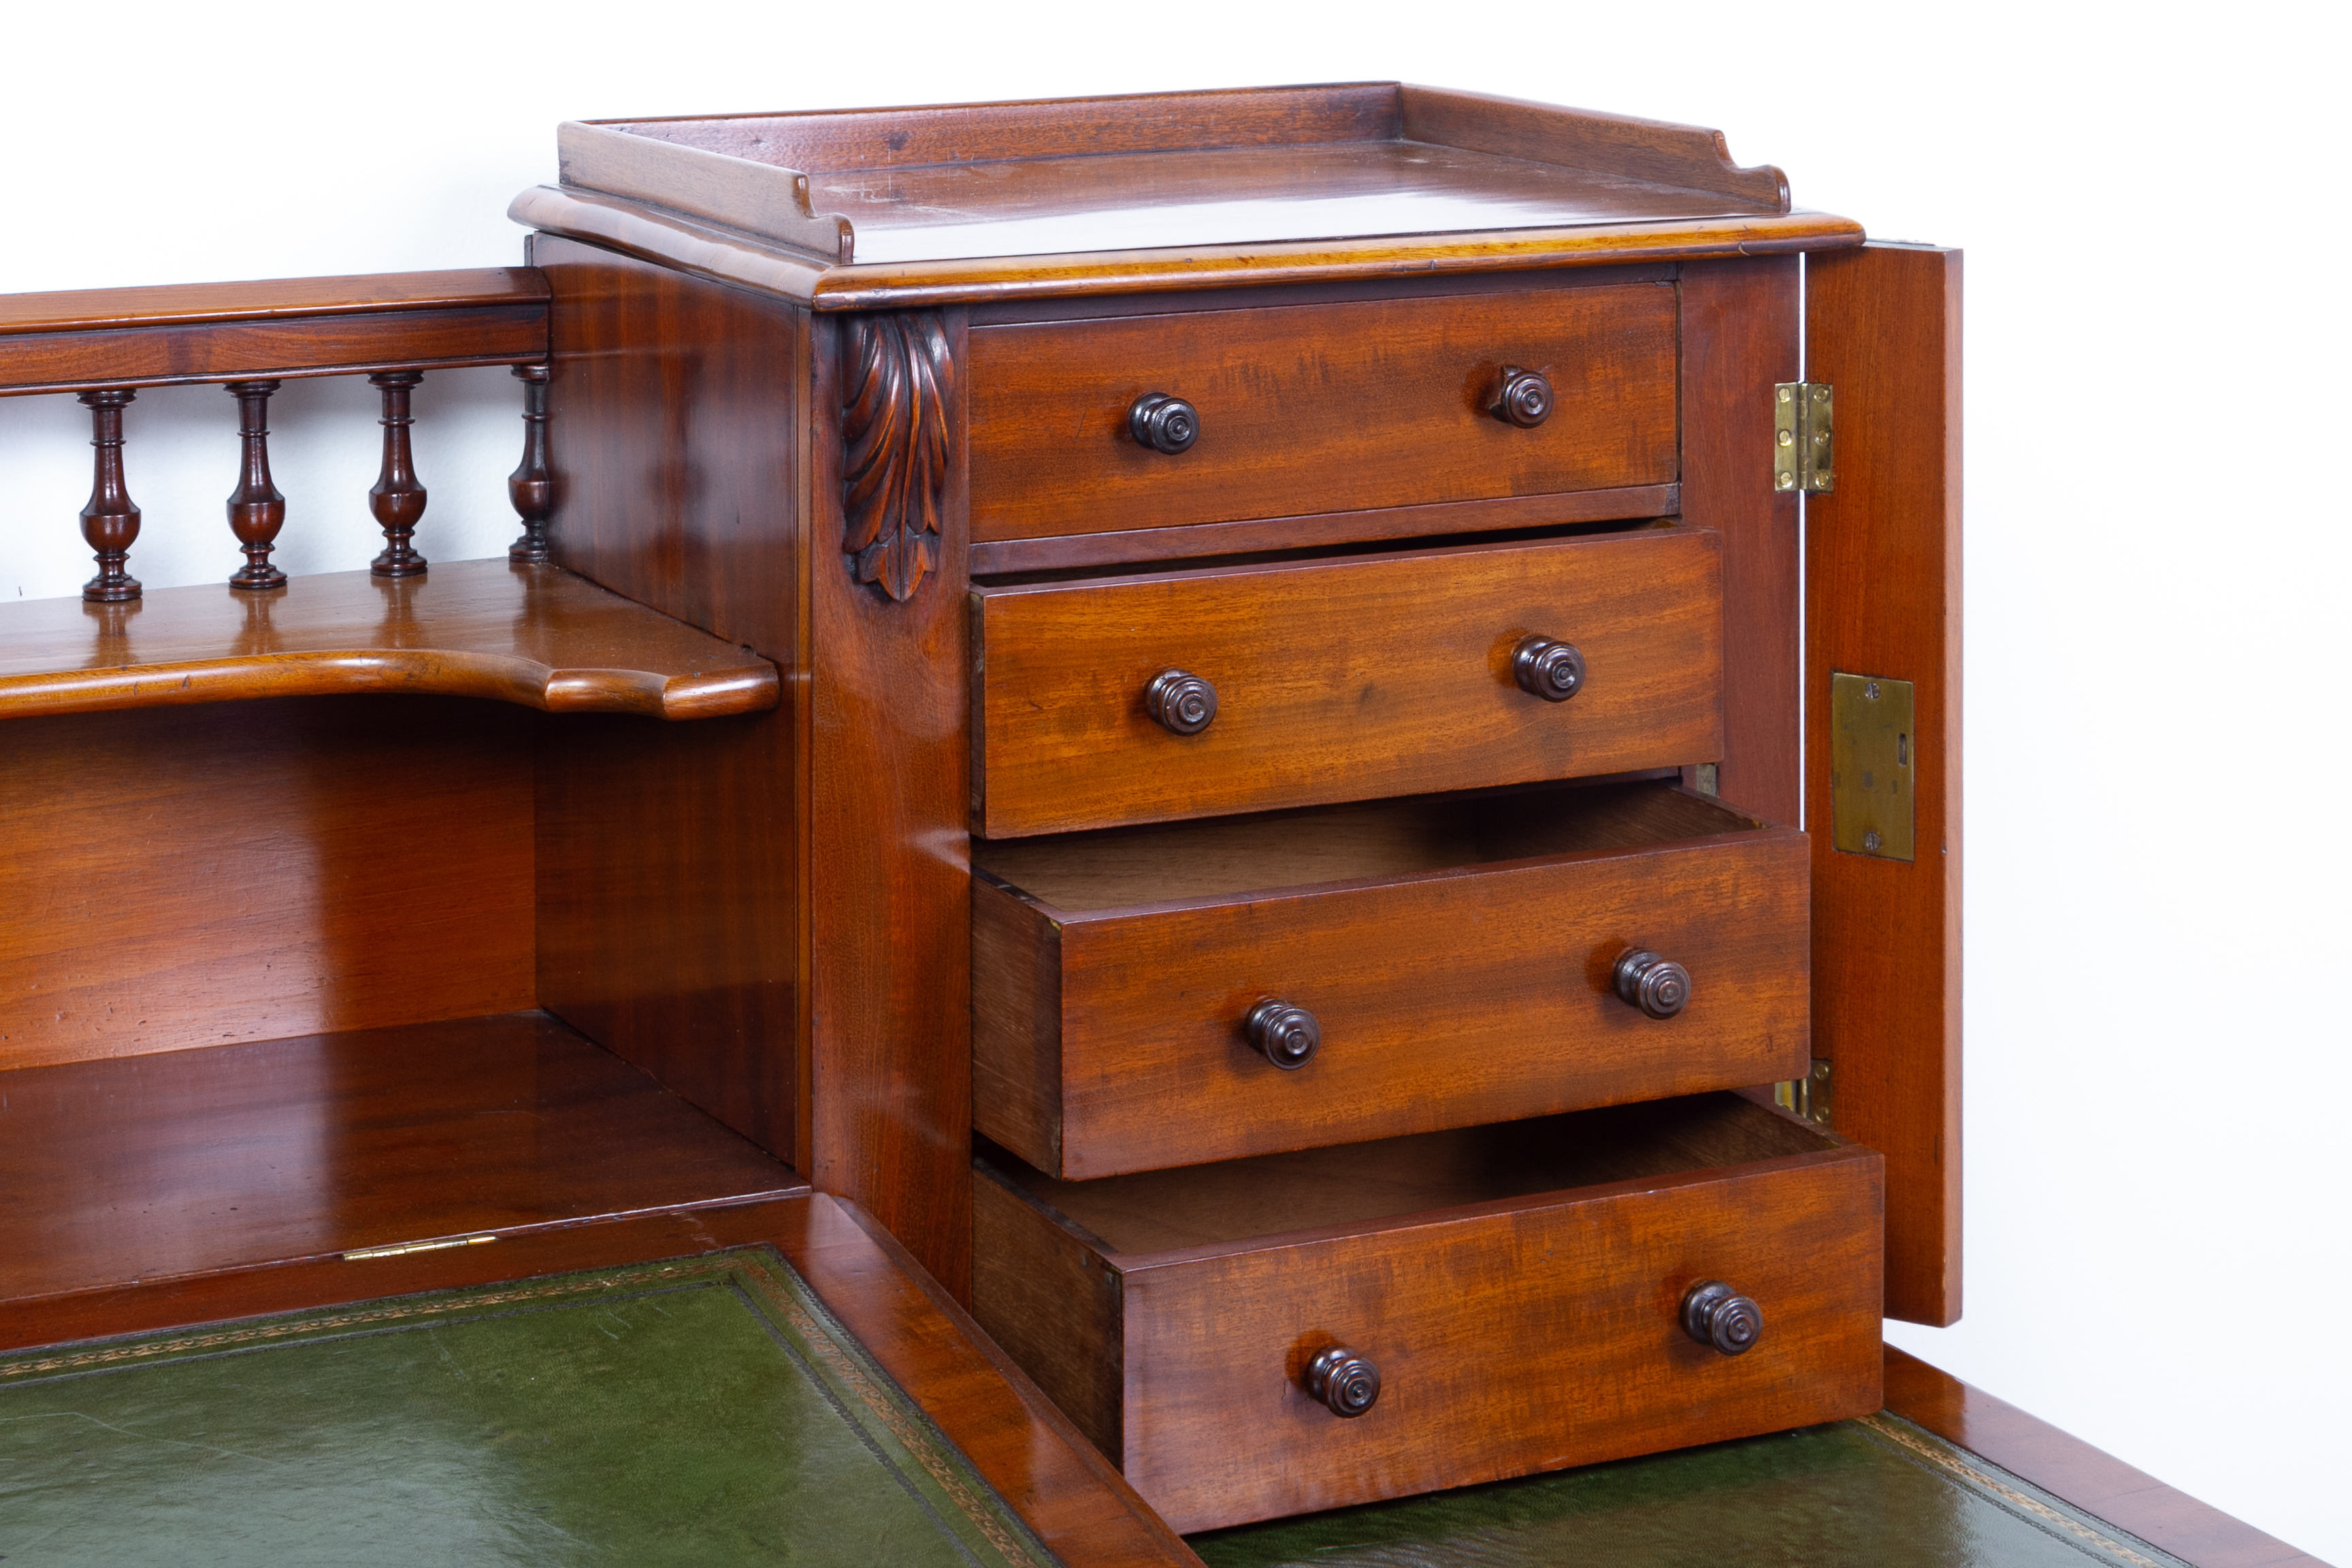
x: 1874, y: 751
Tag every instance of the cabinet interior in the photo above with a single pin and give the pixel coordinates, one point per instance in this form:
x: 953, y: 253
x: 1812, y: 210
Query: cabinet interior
x: 276, y: 970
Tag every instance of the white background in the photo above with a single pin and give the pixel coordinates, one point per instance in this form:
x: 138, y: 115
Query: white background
x: 2152, y: 202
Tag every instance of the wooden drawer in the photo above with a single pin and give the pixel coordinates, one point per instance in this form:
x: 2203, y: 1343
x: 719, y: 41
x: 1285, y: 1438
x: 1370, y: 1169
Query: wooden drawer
x: 1358, y: 678
x: 1317, y: 408
x: 1457, y: 957
x: 1519, y: 1289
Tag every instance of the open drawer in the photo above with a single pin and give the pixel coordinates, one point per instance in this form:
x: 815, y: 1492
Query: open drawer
x: 1162, y: 996
x: 1301, y: 1331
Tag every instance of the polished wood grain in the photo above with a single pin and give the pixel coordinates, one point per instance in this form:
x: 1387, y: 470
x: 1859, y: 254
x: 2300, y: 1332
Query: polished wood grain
x: 1165, y: 169
x: 1518, y: 1287
x: 1882, y: 597
x: 890, y: 951
x: 1739, y: 339
x: 295, y: 327
x: 2093, y: 1481
x: 1323, y: 530
x: 1013, y: 1436
x: 191, y: 876
x: 1457, y: 955
x: 715, y: 251
x: 536, y: 636
x: 1381, y: 675
x: 665, y: 862
x: 155, y: 1166
x: 1317, y: 408
x: 1051, y: 1306
x: 671, y: 867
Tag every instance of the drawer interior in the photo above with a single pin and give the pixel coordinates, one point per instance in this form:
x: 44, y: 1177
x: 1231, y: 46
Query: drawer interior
x: 1317, y: 1189
x: 1218, y: 857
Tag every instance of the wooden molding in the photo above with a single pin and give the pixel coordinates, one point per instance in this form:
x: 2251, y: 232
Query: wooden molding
x: 896, y: 389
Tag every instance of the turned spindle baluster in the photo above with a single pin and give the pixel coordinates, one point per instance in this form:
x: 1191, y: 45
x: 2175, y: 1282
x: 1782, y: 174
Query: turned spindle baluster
x: 531, y: 487
x: 256, y: 511
x: 111, y: 520
x: 396, y: 498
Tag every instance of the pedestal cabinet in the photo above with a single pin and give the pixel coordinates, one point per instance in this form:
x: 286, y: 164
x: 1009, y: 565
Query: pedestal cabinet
x: 1320, y: 784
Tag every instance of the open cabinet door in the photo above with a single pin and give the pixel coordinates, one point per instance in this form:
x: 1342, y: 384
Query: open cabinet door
x: 1883, y: 740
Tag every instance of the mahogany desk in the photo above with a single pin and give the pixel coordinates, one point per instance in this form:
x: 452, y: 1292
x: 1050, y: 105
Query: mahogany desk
x: 1199, y: 704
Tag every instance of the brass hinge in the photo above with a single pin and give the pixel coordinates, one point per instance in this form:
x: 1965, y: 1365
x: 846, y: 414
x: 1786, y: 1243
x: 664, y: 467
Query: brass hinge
x: 1805, y: 455
x: 1808, y: 1097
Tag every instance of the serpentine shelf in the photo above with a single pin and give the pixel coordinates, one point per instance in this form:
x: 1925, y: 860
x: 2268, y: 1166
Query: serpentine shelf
x: 536, y: 636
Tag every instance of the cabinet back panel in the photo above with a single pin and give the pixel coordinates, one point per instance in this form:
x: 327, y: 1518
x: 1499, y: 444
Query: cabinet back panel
x: 180, y: 876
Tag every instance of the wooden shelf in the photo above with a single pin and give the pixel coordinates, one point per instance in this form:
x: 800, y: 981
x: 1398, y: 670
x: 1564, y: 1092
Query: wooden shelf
x: 186, y: 1162
x: 536, y: 636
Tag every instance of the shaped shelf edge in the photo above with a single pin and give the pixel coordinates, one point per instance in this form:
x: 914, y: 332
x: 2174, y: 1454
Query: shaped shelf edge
x: 539, y: 636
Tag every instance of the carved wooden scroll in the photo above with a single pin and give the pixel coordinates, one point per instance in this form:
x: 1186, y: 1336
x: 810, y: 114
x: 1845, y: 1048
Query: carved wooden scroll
x: 896, y: 386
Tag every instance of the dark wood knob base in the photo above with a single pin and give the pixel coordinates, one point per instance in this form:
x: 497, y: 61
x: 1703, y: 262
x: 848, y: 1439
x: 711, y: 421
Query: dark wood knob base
x: 1547, y: 669
x: 1653, y: 982
x: 1162, y: 423
x: 1286, y: 1036
x: 1182, y: 703
x: 1523, y: 399
x: 1715, y: 1314
x: 1345, y: 1382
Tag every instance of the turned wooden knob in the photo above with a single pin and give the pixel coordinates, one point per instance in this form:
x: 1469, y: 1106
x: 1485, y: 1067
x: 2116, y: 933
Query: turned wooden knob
x: 1715, y: 1314
x: 1524, y: 399
x: 1343, y: 1381
x: 1546, y: 668
x: 1287, y: 1035
x: 1653, y: 982
x: 1182, y: 703
x: 1162, y: 423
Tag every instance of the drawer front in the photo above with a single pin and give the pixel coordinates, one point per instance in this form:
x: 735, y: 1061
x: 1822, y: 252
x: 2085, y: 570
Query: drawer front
x: 1508, y: 1342
x: 1115, y: 1042
x: 1353, y: 679
x: 1318, y: 408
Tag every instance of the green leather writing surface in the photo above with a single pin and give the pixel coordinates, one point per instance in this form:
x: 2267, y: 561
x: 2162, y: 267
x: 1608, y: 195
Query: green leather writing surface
x: 1873, y: 1493
x: 704, y: 1410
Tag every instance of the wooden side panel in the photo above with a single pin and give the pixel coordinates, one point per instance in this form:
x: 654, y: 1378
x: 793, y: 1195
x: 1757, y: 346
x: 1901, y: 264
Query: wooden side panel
x: 1444, y: 1002
x: 1350, y: 679
x: 1016, y: 1024
x: 1882, y: 598
x: 184, y: 877
x: 1507, y: 1342
x: 1318, y: 408
x: 671, y: 858
x: 1048, y: 1298
x: 1740, y: 338
x: 890, y: 873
